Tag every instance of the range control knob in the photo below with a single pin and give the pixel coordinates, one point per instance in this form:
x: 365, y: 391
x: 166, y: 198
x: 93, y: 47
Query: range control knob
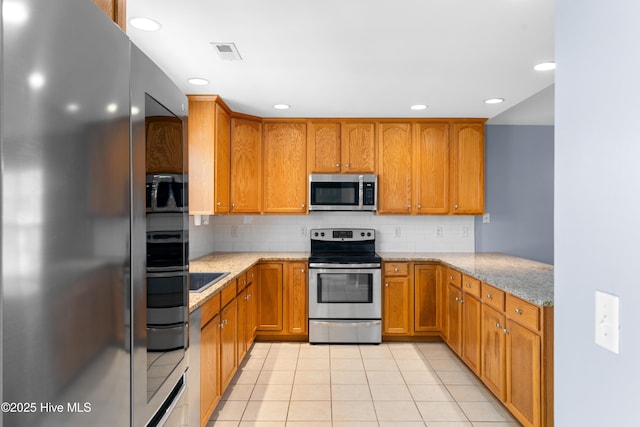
x: 362, y: 234
x: 369, y: 234
x: 322, y: 234
x: 315, y: 234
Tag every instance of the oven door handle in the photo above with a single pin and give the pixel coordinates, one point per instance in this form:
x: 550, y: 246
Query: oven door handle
x: 371, y: 323
x: 336, y: 266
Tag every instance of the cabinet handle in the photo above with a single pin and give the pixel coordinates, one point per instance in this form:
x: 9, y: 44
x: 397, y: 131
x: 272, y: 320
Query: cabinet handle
x: 489, y: 296
x: 518, y: 311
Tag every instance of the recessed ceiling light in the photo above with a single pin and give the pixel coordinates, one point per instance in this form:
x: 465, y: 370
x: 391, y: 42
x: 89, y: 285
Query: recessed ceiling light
x: 144, y: 24
x: 281, y: 106
x: 545, y: 66
x: 112, y: 108
x: 198, y: 81
x: 14, y: 12
x: 493, y: 100
x: 419, y: 107
x: 36, y: 80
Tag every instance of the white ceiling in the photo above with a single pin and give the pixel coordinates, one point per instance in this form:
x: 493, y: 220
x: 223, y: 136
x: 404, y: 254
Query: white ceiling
x: 358, y: 58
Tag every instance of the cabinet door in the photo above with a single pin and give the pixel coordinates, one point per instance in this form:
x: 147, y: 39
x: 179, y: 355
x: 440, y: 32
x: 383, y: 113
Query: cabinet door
x: 209, y: 137
x: 209, y: 380
x: 427, y: 305
x: 251, y: 315
x: 395, y: 310
x: 200, y: 136
x: 285, y: 168
x: 246, y: 166
x: 163, y: 145
x: 394, y: 180
x: 269, y: 297
x: 432, y: 168
x: 454, y: 319
x: 241, y: 338
x: 471, y: 312
x: 228, y: 340
x: 323, y: 147
x: 468, y: 168
x: 358, y: 148
x: 297, y: 302
x: 221, y: 160
x: 493, y: 361
x: 523, y: 374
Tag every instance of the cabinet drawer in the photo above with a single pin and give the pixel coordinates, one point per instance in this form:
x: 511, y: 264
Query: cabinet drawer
x: 523, y: 312
x: 454, y: 277
x: 493, y: 297
x: 228, y: 293
x: 242, y: 282
x: 396, y: 269
x: 471, y: 285
x: 210, y: 309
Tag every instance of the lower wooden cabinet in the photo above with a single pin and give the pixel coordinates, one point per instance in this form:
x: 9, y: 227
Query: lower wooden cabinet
x: 282, y: 300
x: 395, y: 306
x: 428, y: 298
x: 454, y: 318
x: 210, y: 391
x: 494, y: 347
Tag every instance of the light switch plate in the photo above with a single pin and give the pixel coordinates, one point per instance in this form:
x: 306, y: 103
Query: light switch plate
x: 607, y: 325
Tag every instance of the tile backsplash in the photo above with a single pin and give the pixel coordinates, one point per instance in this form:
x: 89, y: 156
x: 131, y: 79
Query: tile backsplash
x: 252, y: 233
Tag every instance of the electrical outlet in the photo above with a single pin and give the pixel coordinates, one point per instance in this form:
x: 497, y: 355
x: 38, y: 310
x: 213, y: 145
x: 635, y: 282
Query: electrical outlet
x: 205, y: 219
x: 397, y: 231
x: 486, y: 218
x: 439, y: 232
x: 234, y: 231
x: 607, y: 326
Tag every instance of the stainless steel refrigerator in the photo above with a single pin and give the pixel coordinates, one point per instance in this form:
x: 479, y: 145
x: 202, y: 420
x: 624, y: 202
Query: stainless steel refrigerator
x: 92, y: 334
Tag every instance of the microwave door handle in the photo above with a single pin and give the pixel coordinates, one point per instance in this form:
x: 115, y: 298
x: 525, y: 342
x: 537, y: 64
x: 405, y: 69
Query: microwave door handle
x: 360, y: 191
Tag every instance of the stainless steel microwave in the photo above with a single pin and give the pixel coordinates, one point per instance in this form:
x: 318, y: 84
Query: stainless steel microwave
x: 343, y: 192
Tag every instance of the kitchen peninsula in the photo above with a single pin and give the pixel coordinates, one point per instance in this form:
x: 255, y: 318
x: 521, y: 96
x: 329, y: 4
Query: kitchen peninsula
x: 494, y: 311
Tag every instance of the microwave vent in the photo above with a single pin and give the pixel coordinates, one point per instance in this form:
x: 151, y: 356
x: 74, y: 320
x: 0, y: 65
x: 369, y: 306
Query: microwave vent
x: 227, y: 51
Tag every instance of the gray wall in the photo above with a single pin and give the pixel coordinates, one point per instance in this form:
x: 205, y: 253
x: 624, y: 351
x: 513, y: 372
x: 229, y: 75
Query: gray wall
x: 597, y: 202
x: 519, y: 192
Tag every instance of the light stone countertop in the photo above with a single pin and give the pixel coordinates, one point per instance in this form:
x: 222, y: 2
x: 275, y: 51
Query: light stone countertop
x: 529, y: 280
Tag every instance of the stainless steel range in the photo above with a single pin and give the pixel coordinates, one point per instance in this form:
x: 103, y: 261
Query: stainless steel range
x: 345, y: 289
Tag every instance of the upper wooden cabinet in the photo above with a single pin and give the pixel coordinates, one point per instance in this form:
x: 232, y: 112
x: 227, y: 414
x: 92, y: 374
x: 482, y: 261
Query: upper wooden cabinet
x: 163, y: 145
x: 394, y: 168
x: 431, y: 160
x: 285, y: 167
x: 246, y: 165
x: 116, y: 10
x: 467, y: 168
x: 209, y: 155
x: 346, y: 147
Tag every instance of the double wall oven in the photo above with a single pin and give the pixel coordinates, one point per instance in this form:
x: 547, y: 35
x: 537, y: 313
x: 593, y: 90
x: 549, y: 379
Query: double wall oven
x: 345, y: 291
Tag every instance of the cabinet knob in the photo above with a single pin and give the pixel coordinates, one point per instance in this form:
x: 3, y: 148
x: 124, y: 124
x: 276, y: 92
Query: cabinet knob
x: 395, y: 269
x: 302, y: 270
x: 386, y: 285
x: 419, y: 206
x: 218, y: 204
x: 489, y: 296
x: 505, y: 331
x: 302, y: 206
x: 347, y: 165
x: 518, y: 311
x: 498, y: 325
x: 468, y: 285
x: 455, y: 206
x: 221, y: 325
x: 450, y: 277
x: 409, y: 206
x: 457, y: 299
x: 233, y: 205
x: 337, y: 165
x: 461, y: 301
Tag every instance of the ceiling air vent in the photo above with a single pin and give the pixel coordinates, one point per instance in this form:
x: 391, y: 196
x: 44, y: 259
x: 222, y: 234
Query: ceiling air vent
x: 227, y: 51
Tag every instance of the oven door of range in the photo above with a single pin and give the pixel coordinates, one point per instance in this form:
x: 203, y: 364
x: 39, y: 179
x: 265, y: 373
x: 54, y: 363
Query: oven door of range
x: 339, y: 291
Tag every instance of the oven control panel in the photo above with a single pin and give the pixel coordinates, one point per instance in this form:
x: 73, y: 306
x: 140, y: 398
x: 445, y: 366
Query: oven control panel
x: 343, y: 234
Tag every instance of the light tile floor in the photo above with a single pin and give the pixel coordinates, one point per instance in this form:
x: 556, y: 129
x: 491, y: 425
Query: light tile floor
x: 391, y: 384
